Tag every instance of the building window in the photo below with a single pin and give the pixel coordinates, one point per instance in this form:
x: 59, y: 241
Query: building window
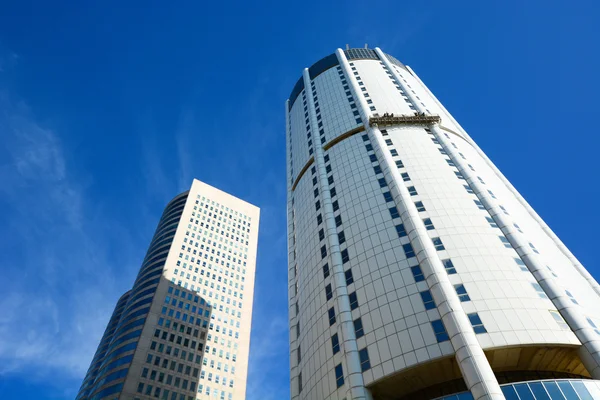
x: 559, y: 319
x: 377, y: 169
x: 505, y: 241
x: 408, y: 250
x: 319, y: 219
x: 450, y: 162
x: 412, y: 191
x: 335, y: 343
x: 299, y: 383
x: 420, y: 206
x: 417, y: 273
x: 439, y: 330
x: 437, y: 243
x: 331, y: 314
x: 533, y: 248
x: 365, y: 364
x: 539, y: 290
x: 393, y: 152
x: 341, y: 237
x: 349, y: 277
x: 323, y: 252
x: 462, y: 292
x: 405, y: 176
x: 353, y: 301
x: 521, y: 264
x: 400, y: 230
x: 428, y: 301
x: 339, y: 375
x: 388, y: 197
x: 476, y: 323
x: 345, y: 256
x: 399, y: 164
x: 468, y: 189
x: 571, y: 297
x: 394, y: 212
x: 459, y: 175
x: 318, y: 205
x: 428, y: 224
x: 325, y: 270
x: 321, y: 234
x: 335, y: 205
x: 491, y: 221
x: 298, y: 355
x: 328, y: 292
x: 479, y: 205
x: 449, y: 266
x: 382, y: 182
x: 358, y: 328
x: 338, y: 220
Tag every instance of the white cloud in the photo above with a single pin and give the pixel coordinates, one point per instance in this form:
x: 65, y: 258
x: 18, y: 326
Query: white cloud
x: 58, y: 276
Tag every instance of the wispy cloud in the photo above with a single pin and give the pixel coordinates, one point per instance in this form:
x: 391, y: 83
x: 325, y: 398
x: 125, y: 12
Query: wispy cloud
x: 56, y: 259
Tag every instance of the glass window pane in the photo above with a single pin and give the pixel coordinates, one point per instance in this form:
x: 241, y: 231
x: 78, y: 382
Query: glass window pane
x: 568, y: 390
x: 555, y: 393
x: 509, y: 392
x: 524, y: 392
x: 539, y: 391
x: 582, y: 390
x: 465, y: 396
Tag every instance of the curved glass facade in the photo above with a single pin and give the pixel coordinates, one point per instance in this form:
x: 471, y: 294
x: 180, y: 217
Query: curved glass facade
x: 561, y: 389
x: 109, y: 364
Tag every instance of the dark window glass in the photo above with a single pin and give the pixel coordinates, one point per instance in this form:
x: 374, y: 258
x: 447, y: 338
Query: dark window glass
x: 321, y: 234
x: 382, y: 182
x: 449, y: 266
x: 377, y: 169
x: 394, y: 212
x: 358, y: 328
x: 476, y: 323
x: 437, y: 243
x: 462, y: 292
x: 328, y: 292
x: 365, y: 364
x: 400, y: 230
x: 353, y: 301
x: 417, y: 273
x: 325, y: 270
x: 339, y: 375
x: 341, y: 237
x: 335, y: 343
x: 338, y: 220
x: 323, y: 252
x: 319, y: 219
x: 428, y: 301
x: 428, y: 224
x: 349, y: 277
x: 345, y: 256
x: 388, y: 197
x: 331, y: 314
x: 373, y: 158
x: 393, y: 152
x: 412, y: 191
x: 420, y: 206
x: 439, y: 331
x: 399, y: 164
x: 408, y: 250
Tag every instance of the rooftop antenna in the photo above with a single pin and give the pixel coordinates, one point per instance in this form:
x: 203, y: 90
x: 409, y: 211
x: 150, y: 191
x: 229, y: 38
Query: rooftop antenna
x: 366, y: 46
x: 347, y: 47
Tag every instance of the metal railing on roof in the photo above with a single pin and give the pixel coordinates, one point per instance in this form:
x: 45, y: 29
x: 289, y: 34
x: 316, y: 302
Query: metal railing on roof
x: 416, y: 119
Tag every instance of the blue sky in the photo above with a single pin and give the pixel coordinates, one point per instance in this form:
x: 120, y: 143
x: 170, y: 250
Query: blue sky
x: 108, y: 110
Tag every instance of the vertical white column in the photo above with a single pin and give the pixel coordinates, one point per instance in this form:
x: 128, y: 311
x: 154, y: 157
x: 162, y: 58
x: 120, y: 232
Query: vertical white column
x: 578, y: 266
x: 354, y: 381
x: 475, y: 368
x: 590, y: 352
x: 293, y: 318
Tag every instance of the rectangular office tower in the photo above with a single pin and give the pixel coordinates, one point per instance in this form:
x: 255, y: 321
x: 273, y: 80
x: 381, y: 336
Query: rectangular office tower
x: 183, y: 331
x: 416, y: 270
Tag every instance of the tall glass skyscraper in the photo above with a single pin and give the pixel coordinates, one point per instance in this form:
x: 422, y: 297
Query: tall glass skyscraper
x: 416, y: 270
x: 183, y: 331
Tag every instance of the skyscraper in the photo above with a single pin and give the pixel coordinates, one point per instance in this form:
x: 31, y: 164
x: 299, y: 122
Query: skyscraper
x: 183, y: 331
x: 416, y: 270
